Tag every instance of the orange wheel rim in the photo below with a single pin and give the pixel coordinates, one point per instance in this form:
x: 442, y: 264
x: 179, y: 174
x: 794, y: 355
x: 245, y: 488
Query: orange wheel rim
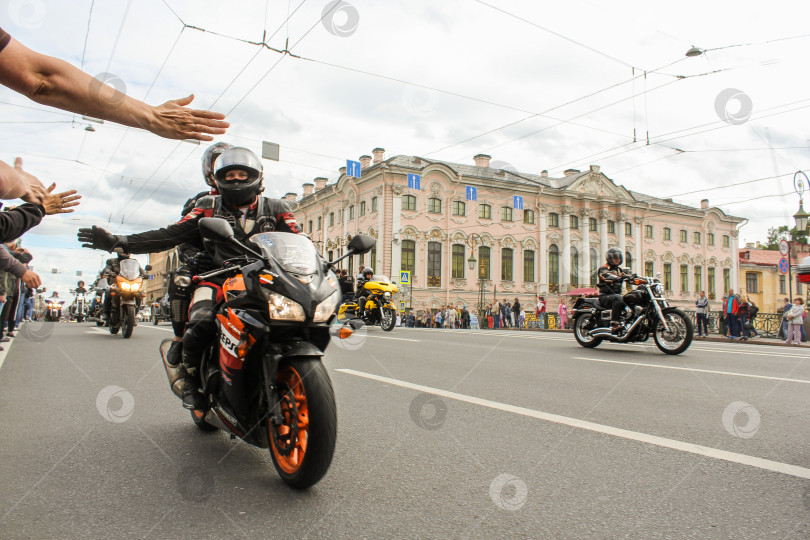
x: 293, y: 432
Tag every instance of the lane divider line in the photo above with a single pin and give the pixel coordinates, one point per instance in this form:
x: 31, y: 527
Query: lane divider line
x: 731, y: 373
x: 705, y: 451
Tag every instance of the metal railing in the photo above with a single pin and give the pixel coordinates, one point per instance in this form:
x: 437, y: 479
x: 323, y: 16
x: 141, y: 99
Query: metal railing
x: 766, y: 324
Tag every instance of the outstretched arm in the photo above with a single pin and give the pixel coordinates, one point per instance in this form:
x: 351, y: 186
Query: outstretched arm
x: 56, y: 83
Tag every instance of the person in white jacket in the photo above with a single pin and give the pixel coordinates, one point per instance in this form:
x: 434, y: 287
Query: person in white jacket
x: 795, y: 318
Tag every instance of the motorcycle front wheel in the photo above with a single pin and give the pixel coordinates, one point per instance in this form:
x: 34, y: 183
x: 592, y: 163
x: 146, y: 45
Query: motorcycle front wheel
x: 388, y: 319
x: 581, y: 332
x: 303, y: 445
x: 128, y: 324
x: 679, y: 336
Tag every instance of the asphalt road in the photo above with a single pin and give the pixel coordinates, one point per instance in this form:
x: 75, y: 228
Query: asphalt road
x: 440, y: 434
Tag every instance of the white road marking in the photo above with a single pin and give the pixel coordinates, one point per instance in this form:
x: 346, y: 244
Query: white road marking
x: 157, y: 328
x: 714, y: 453
x: 732, y: 373
x: 390, y: 337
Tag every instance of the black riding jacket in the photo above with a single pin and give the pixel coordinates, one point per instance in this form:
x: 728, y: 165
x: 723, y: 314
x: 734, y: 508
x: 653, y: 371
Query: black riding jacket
x: 264, y: 215
x: 609, y: 279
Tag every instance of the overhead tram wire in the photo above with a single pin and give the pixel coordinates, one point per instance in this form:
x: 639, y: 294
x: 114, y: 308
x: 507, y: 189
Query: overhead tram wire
x: 217, y: 99
x: 534, y: 115
x: 722, y: 125
x: 557, y: 34
x: 286, y: 52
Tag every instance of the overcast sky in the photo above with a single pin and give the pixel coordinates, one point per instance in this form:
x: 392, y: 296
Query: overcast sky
x: 435, y: 79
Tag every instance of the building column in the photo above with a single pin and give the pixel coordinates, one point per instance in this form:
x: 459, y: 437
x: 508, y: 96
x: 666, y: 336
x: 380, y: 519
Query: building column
x: 735, y: 262
x: 603, y: 234
x: 542, y: 241
x: 637, y: 232
x: 585, y: 252
x: 565, y: 262
x: 621, y: 218
x: 396, y: 234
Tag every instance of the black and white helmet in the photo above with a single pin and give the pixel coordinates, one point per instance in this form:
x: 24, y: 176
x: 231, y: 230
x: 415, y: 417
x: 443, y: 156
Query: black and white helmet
x: 239, y: 192
x: 368, y: 272
x: 614, y: 257
x: 209, y: 157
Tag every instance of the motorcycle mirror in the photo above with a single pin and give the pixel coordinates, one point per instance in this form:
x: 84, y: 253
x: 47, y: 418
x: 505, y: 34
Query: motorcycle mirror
x: 148, y: 267
x: 362, y: 243
x: 216, y: 229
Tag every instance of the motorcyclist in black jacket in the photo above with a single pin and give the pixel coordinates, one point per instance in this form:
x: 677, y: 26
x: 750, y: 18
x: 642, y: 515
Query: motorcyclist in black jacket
x: 610, y: 278
x: 193, y: 260
x: 362, y: 293
x: 239, y: 183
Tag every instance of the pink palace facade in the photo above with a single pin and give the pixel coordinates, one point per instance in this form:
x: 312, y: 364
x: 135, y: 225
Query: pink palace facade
x: 553, y: 245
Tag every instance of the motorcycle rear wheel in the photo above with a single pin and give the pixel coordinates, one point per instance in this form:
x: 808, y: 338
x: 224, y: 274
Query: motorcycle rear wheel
x: 303, y: 445
x: 581, y: 332
x: 680, y: 335
x: 128, y: 324
x: 388, y: 320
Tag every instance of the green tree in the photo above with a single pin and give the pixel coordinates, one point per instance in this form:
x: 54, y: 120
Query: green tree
x: 775, y: 234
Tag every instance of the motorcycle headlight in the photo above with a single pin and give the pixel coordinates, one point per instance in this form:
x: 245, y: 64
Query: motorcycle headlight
x: 658, y: 289
x: 387, y: 296
x: 326, y: 308
x: 125, y: 286
x: 283, y: 309
x: 136, y: 286
x: 182, y: 281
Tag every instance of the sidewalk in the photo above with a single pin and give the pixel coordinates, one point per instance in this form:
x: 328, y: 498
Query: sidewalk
x: 716, y: 338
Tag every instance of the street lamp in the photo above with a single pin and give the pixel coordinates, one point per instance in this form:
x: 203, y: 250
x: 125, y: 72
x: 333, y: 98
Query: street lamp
x: 800, y: 218
x: 471, y: 262
x: 694, y: 51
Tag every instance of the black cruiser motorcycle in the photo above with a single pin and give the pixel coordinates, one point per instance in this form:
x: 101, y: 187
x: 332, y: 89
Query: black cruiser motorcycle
x: 647, y: 312
x: 262, y: 379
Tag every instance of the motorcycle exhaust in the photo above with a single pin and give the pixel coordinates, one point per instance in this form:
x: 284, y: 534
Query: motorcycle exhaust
x: 605, y: 332
x: 175, y: 374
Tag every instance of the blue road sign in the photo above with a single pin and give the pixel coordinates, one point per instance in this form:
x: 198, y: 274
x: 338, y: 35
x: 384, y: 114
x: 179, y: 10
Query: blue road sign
x: 472, y: 193
x: 783, y: 265
x: 414, y: 181
x: 405, y: 277
x: 517, y: 202
x: 353, y: 168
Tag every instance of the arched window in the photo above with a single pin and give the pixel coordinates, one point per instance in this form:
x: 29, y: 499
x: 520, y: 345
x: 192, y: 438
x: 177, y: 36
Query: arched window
x: 434, y: 205
x: 408, y: 255
x: 459, y: 208
x: 434, y: 264
x: 483, y: 262
x: 594, y: 265
x: 554, y: 268
x: 528, y: 266
x: 574, y: 267
x: 506, y: 264
x: 484, y: 211
x: 458, y: 261
x: 408, y: 202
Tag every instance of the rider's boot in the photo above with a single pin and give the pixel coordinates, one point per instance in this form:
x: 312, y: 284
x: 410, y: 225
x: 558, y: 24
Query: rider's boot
x: 615, y: 327
x: 175, y: 354
x: 192, y: 398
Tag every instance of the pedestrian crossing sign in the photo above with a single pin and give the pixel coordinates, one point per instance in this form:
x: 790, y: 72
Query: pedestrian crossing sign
x: 405, y: 277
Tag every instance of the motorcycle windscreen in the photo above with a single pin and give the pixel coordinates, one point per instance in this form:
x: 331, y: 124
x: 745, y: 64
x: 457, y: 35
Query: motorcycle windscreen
x: 295, y: 253
x: 130, y: 269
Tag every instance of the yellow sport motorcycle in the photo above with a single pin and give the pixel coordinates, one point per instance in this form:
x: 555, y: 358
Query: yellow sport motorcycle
x: 126, y: 289
x: 379, y: 308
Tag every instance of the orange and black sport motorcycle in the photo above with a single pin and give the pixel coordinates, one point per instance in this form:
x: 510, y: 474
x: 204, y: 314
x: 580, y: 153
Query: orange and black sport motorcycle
x: 262, y: 379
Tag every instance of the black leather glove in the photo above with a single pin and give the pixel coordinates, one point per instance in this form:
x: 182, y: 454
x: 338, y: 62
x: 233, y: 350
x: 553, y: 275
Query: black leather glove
x: 98, y: 238
x: 201, y: 259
